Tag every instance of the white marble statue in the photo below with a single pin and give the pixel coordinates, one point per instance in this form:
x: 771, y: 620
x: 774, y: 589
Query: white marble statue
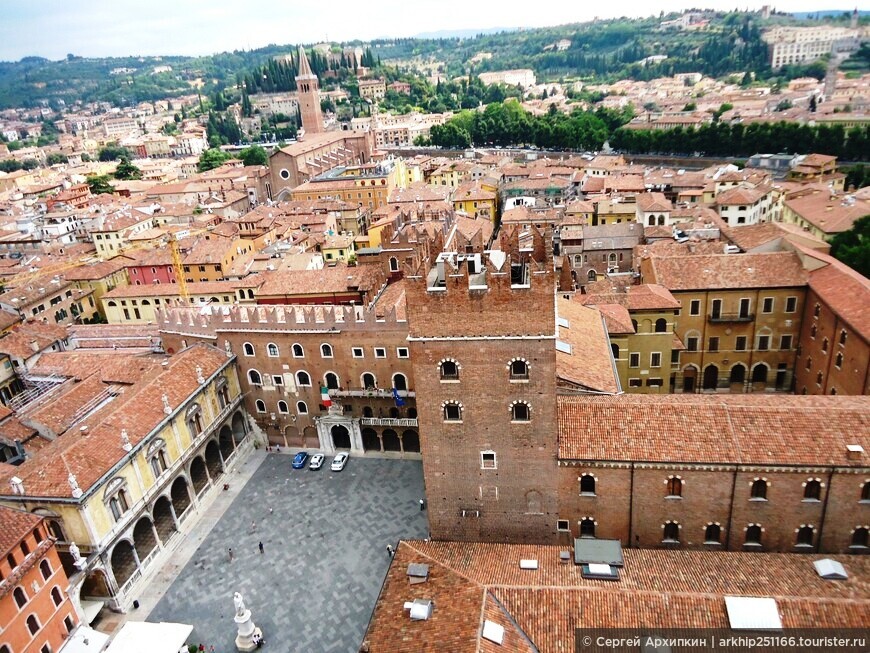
x: 239, y: 603
x: 74, y: 552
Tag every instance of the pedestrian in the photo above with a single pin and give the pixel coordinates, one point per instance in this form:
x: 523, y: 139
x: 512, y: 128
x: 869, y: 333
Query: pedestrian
x: 253, y: 526
x: 230, y: 551
x: 422, y: 505
x: 201, y: 648
x: 270, y: 511
x: 390, y: 550
x: 278, y: 448
x: 211, y: 649
x: 261, y: 547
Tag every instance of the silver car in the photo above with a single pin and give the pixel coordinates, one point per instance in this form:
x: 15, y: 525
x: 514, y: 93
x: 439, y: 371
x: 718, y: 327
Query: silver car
x: 316, y: 461
x: 339, y: 462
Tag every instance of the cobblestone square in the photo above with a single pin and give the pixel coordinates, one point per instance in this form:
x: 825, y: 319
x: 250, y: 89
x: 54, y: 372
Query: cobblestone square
x: 324, y: 536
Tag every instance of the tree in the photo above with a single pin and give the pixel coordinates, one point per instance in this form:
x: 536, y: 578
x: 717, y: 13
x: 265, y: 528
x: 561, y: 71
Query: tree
x: 127, y: 170
x: 853, y: 247
x: 690, y: 106
x: 30, y: 164
x: 254, y: 156
x: 55, y: 158
x: 213, y: 158
x: 114, y: 152
x: 99, y: 185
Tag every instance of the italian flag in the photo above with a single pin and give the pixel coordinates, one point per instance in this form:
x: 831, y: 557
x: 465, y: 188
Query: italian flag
x: 324, y: 396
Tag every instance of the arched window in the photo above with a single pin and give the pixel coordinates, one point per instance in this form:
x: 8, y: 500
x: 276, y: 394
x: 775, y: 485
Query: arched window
x: 394, y: 264
x: 298, y: 351
x: 45, y: 569
x: 661, y: 325
x: 813, y: 331
x: 10, y: 559
x: 614, y: 348
x: 452, y: 411
x: 330, y: 380
x: 675, y: 487
x: 805, y: 536
x: 272, y: 350
x: 303, y: 379
x: 254, y: 377
x: 860, y: 537
x: 449, y: 370
x: 519, y: 370
x: 738, y: 374
x: 819, y: 378
x: 592, y: 275
x: 369, y: 381
x: 520, y: 412
x: 759, y: 373
x: 261, y: 406
x: 326, y: 350
x: 301, y: 408
x: 759, y: 489
x: 839, y: 360
x: 400, y: 382
x: 712, y: 534
x: 651, y: 221
x: 157, y: 457
x: 283, y: 408
x: 825, y: 345
x: 115, y: 497
x: 865, y: 492
x: 111, y: 304
x: 56, y: 596
x: 671, y: 532
x: 32, y: 624
x: 661, y: 220
x: 753, y: 534
x: 813, y: 490
x: 20, y: 597
x: 843, y: 336
x: 587, y: 527
x: 248, y: 349
x: 25, y: 549
x: 816, y: 310
x: 587, y: 484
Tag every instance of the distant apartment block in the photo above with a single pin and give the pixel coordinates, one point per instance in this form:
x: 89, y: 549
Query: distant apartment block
x: 797, y: 45
x: 523, y: 77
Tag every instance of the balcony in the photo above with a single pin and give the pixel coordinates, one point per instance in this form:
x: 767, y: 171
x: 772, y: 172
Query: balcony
x: 730, y: 317
x: 388, y: 421
x: 373, y: 392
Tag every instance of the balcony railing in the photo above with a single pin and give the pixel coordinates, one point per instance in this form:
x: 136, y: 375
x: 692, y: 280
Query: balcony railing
x: 388, y: 421
x: 374, y: 392
x: 731, y: 317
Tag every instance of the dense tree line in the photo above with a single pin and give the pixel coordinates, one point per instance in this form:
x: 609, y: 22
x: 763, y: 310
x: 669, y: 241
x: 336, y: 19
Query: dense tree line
x: 744, y: 140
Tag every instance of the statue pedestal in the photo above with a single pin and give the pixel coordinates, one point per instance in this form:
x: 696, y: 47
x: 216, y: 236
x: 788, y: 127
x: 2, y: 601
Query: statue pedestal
x: 247, y: 630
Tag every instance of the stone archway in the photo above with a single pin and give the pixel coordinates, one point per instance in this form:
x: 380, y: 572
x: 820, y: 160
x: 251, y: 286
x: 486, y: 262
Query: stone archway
x: 292, y: 437
x: 123, y: 562
x: 391, y: 440
x: 689, y: 375
x: 213, y: 460
x: 309, y: 435
x: 163, y: 519
x: 180, y: 495
x: 198, y: 475
x: 370, y: 440
x: 411, y: 441
x: 240, y: 427
x: 340, y: 436
x: 96, y: 585
x: 711, y: 377
x: 225, y: 438
x: 143, y: 537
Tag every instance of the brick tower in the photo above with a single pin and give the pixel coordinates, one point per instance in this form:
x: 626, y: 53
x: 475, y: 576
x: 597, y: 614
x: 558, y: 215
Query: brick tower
x: 308, y: 90
x: 482, y: 334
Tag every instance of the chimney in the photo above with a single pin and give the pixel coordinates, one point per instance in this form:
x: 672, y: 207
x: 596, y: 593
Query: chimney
x: 34, y: 346
x: 17, y: 485
x: 854, y: 452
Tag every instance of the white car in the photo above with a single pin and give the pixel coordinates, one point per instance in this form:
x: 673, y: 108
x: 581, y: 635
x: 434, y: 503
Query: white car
x: 339, y: 462
x: 316, y: 461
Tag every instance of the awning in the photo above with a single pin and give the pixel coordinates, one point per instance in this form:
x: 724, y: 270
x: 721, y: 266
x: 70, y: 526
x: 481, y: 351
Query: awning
x: 91, y: 610
x: 84, y: 640
x: 144, y: 637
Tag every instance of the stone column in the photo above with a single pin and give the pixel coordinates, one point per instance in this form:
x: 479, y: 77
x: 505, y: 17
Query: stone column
x: 356, y: 443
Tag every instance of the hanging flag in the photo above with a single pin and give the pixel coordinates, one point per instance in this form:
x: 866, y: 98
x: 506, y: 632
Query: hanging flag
x: 399, y: 400
x: 324, y: 396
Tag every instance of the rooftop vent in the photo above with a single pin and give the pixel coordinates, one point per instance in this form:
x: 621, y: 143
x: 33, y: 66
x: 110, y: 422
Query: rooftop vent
x: 854, y: 451
x: 493, y: 631
x: 752, y: 613
x: 528, y: 564
x: 564, y: 557
x: 418, y: 573
x: 830, y: 569
x: 599, y: 571
x: 421, y: 609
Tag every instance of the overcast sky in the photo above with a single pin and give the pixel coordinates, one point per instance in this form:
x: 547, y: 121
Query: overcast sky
x: 55, y: 28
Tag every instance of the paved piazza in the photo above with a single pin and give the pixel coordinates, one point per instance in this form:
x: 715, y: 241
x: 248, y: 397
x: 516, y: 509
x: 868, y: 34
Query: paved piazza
x: 325, y: 554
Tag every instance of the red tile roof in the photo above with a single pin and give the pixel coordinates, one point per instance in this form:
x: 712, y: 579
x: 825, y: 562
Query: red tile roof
x: 14, y: 526
x: 589, y: 364
x: 772, y: 270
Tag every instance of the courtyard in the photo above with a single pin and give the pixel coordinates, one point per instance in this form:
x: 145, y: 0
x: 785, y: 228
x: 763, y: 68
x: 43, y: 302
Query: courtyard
x: 324, y: 537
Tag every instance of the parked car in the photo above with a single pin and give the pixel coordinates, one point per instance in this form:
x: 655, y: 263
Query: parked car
x: 339, y: 462
x: 299, y: 460
x: 316, y: 461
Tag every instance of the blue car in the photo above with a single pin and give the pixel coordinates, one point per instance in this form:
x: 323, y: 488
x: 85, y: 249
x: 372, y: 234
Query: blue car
x: 299, y: 460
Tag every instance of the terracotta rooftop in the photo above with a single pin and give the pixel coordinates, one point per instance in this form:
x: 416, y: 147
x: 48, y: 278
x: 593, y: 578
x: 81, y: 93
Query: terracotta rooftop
x: 643, y: 297
x: 171, y: 289
x: 826, y: 211
x: 19, y: 342
x: 338, y: 279
x: 540, y: 609
x: 14, y: 526
x: 589, y: 364
x: 100, y: 270
x: 734, y: 429
x: 845, y: 291
x: 707, y: 272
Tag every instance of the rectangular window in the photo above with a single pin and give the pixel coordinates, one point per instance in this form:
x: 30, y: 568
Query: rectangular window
x: 635, y: 383
x: 767, y: 305
x: 277, y: 379
x: 740, y: 343
x: 716, y: 309
x: 744, y: 308
x: 790, y: 304
x: 785, y: 342
x: 357, y: 352
x: 763, y: 343
x: 713, y: 344
x: 380, y: 352
x: 692, y: 343
x: 655, y: 359
x: 402, y: 352
x: 634, y: 359
x: 695, y: 307
x: 655, y: 382
x: 675, y: 357
x: 487, y: 460
x: 563, y: 525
